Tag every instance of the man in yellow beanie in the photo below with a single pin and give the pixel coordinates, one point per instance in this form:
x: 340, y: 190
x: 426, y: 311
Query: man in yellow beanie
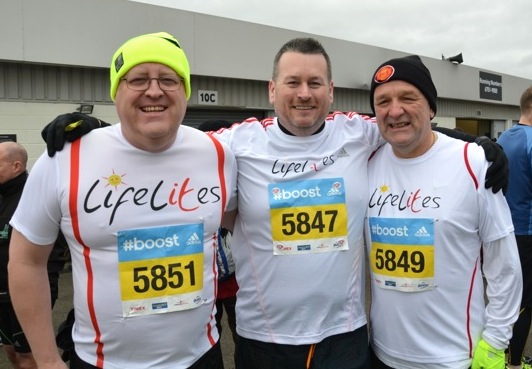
x: 141, y: 223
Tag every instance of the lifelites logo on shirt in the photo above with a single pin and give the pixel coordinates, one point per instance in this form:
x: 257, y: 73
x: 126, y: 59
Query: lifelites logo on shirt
x: 120, y: 193
x: 414, y: 201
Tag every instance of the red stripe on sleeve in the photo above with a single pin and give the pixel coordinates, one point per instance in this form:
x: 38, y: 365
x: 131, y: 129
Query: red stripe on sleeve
x: 468, y: 166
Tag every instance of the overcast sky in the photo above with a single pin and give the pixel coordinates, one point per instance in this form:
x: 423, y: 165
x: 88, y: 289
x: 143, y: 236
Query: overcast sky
x: 491, y: 34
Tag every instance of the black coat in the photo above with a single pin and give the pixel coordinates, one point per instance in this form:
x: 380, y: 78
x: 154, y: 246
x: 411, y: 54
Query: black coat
x: 10, y: 193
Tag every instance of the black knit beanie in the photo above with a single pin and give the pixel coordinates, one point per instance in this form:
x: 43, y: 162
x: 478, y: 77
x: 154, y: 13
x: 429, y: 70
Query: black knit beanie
x: 409, y: 69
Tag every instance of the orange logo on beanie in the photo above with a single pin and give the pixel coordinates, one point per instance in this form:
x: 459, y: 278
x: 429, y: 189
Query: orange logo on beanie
x: 384, y: 74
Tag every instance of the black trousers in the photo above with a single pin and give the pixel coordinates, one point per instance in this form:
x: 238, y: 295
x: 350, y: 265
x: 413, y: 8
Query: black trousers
x: 342, y: 351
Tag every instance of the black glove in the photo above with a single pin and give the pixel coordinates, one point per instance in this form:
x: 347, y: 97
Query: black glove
x: 68, y: 127
x: 498, y: 172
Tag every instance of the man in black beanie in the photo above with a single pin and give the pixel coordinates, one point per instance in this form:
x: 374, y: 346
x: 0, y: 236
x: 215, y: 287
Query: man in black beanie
x: 410, y: 69
x: 429, y: 217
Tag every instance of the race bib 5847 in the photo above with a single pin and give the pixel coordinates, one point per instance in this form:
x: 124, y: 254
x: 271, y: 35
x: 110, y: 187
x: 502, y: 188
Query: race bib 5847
x: 308, y: 216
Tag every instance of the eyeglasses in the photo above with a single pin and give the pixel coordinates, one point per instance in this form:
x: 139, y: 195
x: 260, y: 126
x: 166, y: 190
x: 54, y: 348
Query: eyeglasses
x: 143, y: 83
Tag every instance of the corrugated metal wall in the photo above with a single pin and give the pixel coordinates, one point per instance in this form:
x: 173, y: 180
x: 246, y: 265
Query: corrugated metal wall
x: 237, y: 98
x: 196, y: 116
x: 477, y: 110
x: 36, y: 82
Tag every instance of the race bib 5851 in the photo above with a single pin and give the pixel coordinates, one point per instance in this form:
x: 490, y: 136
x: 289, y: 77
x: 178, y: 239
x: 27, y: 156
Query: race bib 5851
x: 161, y: 269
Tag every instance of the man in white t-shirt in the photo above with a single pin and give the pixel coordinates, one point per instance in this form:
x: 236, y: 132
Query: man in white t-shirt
x: 433, y: 231
x: 141, y: 222
x: 302, y: 182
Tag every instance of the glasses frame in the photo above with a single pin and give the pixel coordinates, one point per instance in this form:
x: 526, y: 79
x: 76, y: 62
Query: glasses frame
x: 148, y: 80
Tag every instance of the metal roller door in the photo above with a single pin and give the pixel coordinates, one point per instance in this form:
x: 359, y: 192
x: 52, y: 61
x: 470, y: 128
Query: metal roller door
x: 194, y: 117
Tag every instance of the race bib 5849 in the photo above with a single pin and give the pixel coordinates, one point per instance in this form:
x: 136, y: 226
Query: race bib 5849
x: 402, y: 253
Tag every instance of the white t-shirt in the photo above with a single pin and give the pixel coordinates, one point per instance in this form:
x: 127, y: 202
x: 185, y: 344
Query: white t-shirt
x: 428, y: 217
x: 298, y: 238
x: 141, y: 228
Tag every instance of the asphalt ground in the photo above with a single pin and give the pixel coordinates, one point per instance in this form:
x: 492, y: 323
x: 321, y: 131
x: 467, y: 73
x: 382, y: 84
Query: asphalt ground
x: 64, y: 304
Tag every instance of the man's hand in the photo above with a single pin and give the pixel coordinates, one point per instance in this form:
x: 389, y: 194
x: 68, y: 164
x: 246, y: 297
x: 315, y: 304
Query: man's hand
x: 498, y: 172
x: 68, y: 127
x: 487, y: 357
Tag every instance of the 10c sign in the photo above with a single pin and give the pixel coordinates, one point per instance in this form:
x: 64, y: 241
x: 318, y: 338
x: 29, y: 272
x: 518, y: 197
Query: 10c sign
x: 206, y: 97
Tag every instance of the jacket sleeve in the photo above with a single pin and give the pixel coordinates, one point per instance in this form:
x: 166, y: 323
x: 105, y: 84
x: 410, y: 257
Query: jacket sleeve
x: 502, y: 270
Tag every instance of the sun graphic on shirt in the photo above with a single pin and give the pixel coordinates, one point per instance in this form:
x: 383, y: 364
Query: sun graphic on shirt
x: 384, y: 188
x: 115, y: 180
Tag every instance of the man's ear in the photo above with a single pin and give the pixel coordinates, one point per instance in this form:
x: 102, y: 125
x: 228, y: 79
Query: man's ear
x: 18, y: 166
x: 271, y: 91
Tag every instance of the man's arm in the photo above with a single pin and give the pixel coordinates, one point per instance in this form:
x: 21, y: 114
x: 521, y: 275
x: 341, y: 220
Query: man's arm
x: 498, y: 172
x: 502, y: 269
x: 68, y: 127
x: 459, y: 135
x: 228, y: 220
x: 30, y: 295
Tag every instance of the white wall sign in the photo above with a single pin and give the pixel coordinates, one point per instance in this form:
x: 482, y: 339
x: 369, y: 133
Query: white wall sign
x: 206, y: 97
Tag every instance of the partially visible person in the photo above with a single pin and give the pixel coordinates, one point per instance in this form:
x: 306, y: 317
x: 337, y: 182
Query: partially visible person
x: 141, y: 222
x: 227, y: 284
x: 13, y: 176
x: 517, y: 144
x: 298, y: 235
x: 429, y: 219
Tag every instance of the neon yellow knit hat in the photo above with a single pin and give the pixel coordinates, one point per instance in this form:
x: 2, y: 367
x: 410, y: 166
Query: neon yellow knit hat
x: 158, y: 47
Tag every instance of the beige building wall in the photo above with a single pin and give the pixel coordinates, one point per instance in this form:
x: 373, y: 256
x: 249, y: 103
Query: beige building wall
x: 26, y: 120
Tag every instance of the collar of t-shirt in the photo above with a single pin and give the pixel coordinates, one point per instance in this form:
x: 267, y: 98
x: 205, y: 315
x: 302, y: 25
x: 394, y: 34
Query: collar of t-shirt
x: 291, y: 134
